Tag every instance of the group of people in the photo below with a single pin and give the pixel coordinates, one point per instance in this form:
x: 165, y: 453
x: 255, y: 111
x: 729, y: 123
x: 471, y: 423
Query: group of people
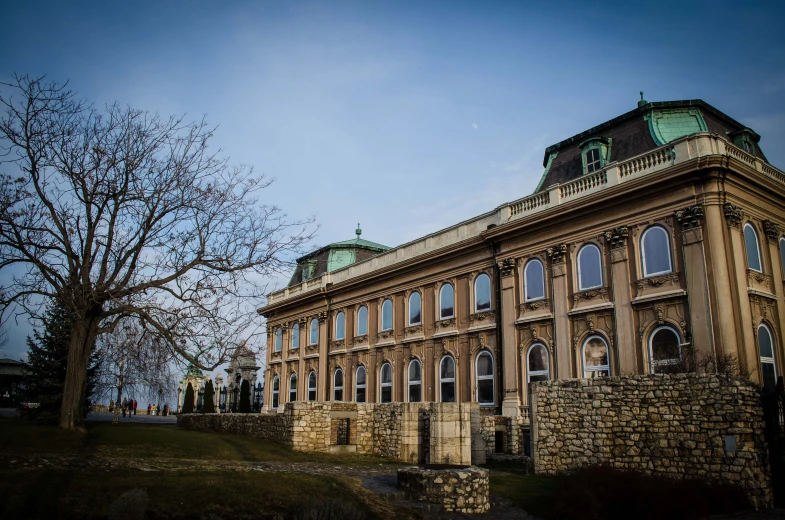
x: 129, y: 406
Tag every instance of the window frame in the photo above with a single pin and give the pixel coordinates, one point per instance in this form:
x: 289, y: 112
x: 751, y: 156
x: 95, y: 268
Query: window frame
x: 782, y: 255
x: 749, y: 224
x: 644, y: 270
x: 357, y: 317
x: 409, y: 314
x: 490, y: 294
x: 278, y: 339
x: 410, y: 384
x: 337, y: 371
x: 600, y: 368
x: 313, y: 327
x: 294, y: 345
x: 530, y: 262
x: 591, y: 164
x: 670, y: 362
x: 293, y: 376
x: 312, y: 388
x: 453, y: 380
x: 383, y: 385
x: 769, y: 360
x: 358, y: 386
x: 392, y: 317
x: 275, y: 400
x: 581, y: 251
x: 478, y: 378
x: 342, y: 328
x: 530, y: 372
x: 441, y: 296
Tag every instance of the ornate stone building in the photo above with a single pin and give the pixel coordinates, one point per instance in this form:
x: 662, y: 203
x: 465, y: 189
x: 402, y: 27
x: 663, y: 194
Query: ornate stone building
x: 653, y: 238
x: 242, y: 367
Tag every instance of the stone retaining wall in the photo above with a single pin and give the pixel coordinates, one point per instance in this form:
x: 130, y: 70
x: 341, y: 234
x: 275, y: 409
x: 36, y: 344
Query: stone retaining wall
x: 274, y: 427
x: 701, y: 426
x: 463, y: 490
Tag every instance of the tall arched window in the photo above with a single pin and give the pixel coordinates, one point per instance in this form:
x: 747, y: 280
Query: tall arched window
x: 753, y: 248
x: 656, y: 251
x: 482, y: 293
x: 276, y: 389
x: 767, y: 363
x: 362, y: 321
x: 314, y: 335
x: 295, y: 335
x: 385, y: 387
x: 589, y: 267
x: 782, y: 255
x: 293, y: 388
x: 338, y: 385
x: 534, y: 276
x: 278, y: 339
x: 359, y: 386
x: 446, y: 302
x: 447, y: 380
x: 415, y: 309
x: 387, y: 315
x: 664, y: 349
x: 596, y: 359
x: 415, y: 381
x: 537, y: 366
x: 312, y: 386
x: 340, y: 325
x: 484, y: 376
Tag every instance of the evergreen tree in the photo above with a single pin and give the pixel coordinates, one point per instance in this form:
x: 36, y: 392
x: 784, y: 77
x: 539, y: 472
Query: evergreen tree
x: 47, y: 356
x: 209, y: 395
x: 245, y: 397
x: 188, y: 400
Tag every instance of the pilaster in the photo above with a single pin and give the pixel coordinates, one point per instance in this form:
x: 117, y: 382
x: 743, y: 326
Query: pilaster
x: 616, y: 240
x: 726, y: 338
x: 323, y: 377
x: 511, y: 403
x: 561, y: 306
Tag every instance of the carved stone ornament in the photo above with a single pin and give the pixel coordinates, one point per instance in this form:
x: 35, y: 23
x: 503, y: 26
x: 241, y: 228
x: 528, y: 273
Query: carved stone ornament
x: 385, y: 335
x: 690, y: 217
x: 660, y: 318
x: 617, y: 237
x: 732, y: 215
x: 771, y: 230
x: 556, y: 253
x: 322, y: 316
x: 482, y: 316
x: 338, y: 343
x: 507, y: 266
x: 534, y: 305
x: 413, y: 329
x: 361, y: 339
x: 446, y: 323
x: 590, y: 323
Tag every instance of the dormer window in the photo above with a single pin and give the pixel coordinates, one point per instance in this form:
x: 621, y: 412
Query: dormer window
x: 749, y: 148
x: 595, y: 154
x: 747, y: 140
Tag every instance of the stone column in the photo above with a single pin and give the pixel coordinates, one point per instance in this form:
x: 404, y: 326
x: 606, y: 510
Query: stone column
x: 616, y: 239
x: 511, y: 403
x: 302, y: 375
x: 697, y: 280
x: 561, y: 306
x: 726, y: 339
x: 323, y: 378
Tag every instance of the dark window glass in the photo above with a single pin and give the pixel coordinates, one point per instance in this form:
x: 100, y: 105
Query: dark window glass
x: 782, y: 255
x: 482, y: 293
x: 769, y: 375
x: 386, y: 383
x: 595, y: 358
x: 276, y: 388
x: 447, y: 379
x: 589, y: 267
x: 415, y: 309
x: 485, y: 391
x: 360, y: 385
x: 538, y: 359
x: 312, y: 386
x: 535, y: 281
x: 415, y: 393
x: 753, y: 252
x: 338, y: 379
x: 387, y: 315
x: 593, y: 162
x: 293, y: 388
x: 656, y: 251
x: 764, y: 341
x: 446, y: 302
x: 665, y: 346
x: 415, y: 381
x: 340, y: 321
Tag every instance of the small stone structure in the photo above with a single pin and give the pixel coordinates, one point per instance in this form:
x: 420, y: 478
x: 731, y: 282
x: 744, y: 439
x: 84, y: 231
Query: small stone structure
x: 196, y: 378
x: 463, y: 490
x: 701, y: 426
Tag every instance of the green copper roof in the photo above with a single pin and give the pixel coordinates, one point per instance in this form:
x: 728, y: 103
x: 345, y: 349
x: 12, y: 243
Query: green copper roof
x: 667, y: 125
x: 338, y: 255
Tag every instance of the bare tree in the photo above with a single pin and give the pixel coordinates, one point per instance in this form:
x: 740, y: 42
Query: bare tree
x: 122, y: 213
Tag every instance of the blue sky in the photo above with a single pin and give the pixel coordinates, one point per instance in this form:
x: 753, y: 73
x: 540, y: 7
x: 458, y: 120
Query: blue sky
x: 404, y: 116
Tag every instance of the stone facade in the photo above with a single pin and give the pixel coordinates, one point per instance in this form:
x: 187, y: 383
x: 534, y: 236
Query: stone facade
x: 273, y: 427
x: 699, y: 426
x: 463, y: 490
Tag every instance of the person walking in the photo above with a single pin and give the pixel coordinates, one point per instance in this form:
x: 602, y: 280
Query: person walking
x: 149, y: 408
x: 135, y: 405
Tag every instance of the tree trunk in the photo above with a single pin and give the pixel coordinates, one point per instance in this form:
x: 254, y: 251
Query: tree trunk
x: 83, y: 335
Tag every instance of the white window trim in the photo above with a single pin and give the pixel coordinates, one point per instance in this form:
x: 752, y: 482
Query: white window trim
x: 757, y: 246
x: 295, y: 345
x: 357, y: 317
x: 275, y: 393
x: 441, y: 289
x: 409, y: 382
x: 312, y: 388
x: 392, y: 316
x: 409, y: 317
x: 357, y: 385
x: 580, y: 274
x: 767, y: 359
x: 343, y: 328
x: 478, y: 378
x: 278, y: 340
x: 647, y: 274
x: 529, y: 371
x: 526, y: 280
x: 667, y: 362
x: 601, y: 368
x: 490, y: 299
x: 448, y: 379
x: 292, y: 377
x: 335, y: 386
x: 310, y: 331
x: 382, y: 384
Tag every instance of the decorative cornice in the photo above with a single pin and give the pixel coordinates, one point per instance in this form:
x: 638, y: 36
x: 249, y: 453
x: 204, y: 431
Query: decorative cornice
x: 772, y: 231
x: 690, y: 217
x: 507, y: 266
x: 732, y: 215
x: 617, y: 237
x: 557, y: 253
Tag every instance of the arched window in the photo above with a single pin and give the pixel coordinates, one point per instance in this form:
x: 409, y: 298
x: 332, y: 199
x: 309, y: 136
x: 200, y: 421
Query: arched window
x: 447, y: 380
x: 278, y: 339
x: 295, y: 335
x: 537, y: 366
x: 359, y: 387
x: 596, y: 359
x: 415, y: 309
x: 385, y: 388
x: 589, y: 267
x: 484, y: 376
x: 415, y: 381
x: 655, y: 251
x: 782, y: 255
x: 340, y: 324
x: 312, y: 386
x: 753, y: 248
x: 664, y: 349
x: 446, y: 302
x: 387, y: 314
x: 338, y: 385
x: 767, y: 363
x: 362, y: 321
x: 534, y: 275
x: 482, y: 293
x: 293, y: 388
x: 314, y: 335
x: 276, y: 388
